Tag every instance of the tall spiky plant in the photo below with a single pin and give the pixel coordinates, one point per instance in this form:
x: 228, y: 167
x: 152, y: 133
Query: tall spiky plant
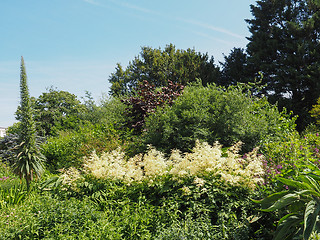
x: 29, y: 161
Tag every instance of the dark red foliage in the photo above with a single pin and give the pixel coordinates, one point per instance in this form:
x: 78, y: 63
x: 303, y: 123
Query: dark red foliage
x: 147, y: 100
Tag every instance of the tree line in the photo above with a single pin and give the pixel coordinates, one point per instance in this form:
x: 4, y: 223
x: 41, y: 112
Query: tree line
x: 282, y: 57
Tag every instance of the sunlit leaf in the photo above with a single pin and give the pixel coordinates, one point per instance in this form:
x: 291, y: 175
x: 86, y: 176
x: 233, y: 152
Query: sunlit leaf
x: 310, y: 217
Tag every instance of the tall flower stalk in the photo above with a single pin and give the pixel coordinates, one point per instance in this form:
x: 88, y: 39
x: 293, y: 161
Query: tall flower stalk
x: 29, y: 161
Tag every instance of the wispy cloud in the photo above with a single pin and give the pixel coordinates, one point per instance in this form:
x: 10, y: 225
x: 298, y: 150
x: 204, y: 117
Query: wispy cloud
x: 140, y: 9
x: 213, y: 38
x: 122, y: 4
x: 93, y: 2
x: 210, y: 27
x: 188, y: 21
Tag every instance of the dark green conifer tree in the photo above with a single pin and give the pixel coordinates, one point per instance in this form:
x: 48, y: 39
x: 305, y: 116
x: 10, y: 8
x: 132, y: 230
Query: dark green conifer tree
x: 285, y: 47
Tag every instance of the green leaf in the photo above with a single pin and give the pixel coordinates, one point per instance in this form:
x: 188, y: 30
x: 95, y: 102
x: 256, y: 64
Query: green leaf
x: 315, y: 175
x: 313, y: 183
x: 295, y: 184
x: 310, y: 217
x: 288, y: 227
x: 27, y: 167
x: 283, y: 202
x: 267, y: 202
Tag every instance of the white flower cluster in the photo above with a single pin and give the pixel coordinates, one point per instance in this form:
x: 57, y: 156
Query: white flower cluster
x: 70, y: 177
x: 113, y: 165
x: 204, y: 159
x: 209, y: 159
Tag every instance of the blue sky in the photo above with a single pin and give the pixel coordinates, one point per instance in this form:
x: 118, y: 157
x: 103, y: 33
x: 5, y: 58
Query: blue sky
x: 74, y: 45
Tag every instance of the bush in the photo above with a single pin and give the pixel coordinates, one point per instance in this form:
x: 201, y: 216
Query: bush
x: 208, y: 187
x: 69, y: 147
x: 8, y: 148
x: 315, y: 111
x: 109, y: 111
x: 287, y: 158
x: 215, y: 114
x: 50, y: 218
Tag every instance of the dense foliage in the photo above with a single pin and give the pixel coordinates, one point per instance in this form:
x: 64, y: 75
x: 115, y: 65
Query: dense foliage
x: 159, y: 66
x: 146, y: 101
x: 70, y: 146
x: 235, y: 68
x: 315, y: 111
x: 172, y: 193
x: 57, y: 110
x: 216, y: 114
x: 8, y: 149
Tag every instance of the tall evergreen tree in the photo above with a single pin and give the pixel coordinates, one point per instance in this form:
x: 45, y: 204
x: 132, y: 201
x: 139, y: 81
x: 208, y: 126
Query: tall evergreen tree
x: 234, y: 69
x: 29, y: 161
x: 284, y: 46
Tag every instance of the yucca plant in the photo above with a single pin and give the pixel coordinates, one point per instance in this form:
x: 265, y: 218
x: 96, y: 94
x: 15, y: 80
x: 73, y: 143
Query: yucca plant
x: 301, y: 204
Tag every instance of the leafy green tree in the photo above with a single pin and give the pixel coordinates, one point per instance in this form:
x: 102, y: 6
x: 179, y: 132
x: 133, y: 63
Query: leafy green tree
x: 284, y: 47
x: 57, y: 110
x: 158, y: 66
x: 29, y: 160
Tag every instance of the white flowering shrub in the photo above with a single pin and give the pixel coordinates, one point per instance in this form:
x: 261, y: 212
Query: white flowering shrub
x: 204, y: 159
x: 208, y: 183
x: 232, y: 168
x: 113, y: 165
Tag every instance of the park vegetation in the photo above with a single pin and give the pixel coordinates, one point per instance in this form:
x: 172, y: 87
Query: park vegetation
x: 182, y: 148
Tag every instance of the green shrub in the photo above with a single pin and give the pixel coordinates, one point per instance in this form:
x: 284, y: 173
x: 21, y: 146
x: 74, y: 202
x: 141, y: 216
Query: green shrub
x: 50, y: 218
x: 188, y: 229
x: 287, y: 158
x: 215, y: 114
x: 110, y: 111
x: 207, y: 187
x: 69, y: 147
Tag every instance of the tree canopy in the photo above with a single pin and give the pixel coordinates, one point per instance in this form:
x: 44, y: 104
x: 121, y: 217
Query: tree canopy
x: 56, y: 110
x: 159, y: 66
x: 284, y: 47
